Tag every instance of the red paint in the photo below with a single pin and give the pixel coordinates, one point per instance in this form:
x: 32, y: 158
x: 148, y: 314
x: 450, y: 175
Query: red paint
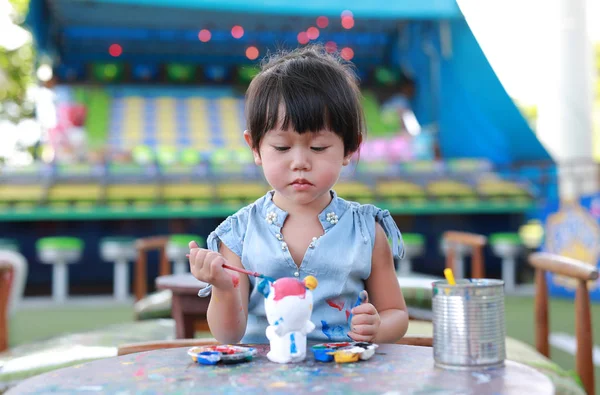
x: 236, y: 281
x: 347, y: 314
x: 336, y: 304
x: 139, y: 372
x: 288, y: 287
x: 337, y: 345
x: 224, y: 349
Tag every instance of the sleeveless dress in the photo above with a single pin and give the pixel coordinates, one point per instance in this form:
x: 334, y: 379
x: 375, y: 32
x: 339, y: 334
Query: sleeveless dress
x: 340, y: 259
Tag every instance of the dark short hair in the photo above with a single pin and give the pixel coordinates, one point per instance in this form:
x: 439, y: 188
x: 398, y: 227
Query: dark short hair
x: 318, y: 90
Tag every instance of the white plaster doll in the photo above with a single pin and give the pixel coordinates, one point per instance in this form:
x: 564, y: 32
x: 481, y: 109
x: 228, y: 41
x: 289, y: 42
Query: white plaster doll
x: 288, y: 305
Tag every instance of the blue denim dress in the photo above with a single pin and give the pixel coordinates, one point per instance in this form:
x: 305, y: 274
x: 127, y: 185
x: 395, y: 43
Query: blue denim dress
x: 340, y: 259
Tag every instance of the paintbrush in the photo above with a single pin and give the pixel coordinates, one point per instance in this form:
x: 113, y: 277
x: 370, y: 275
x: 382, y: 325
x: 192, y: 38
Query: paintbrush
x: 362, y: 296
x: 248, y: 272
x: 449, y: 276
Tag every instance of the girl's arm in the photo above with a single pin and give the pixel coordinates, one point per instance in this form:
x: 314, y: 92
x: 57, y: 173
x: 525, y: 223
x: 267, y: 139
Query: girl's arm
x: 384, y: 292
x: 228, y: 309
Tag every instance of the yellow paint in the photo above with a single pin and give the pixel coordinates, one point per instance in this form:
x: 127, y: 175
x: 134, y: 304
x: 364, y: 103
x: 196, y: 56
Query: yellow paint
x: 345, y: 356
x: 310, y: 282
x: 278, y: 384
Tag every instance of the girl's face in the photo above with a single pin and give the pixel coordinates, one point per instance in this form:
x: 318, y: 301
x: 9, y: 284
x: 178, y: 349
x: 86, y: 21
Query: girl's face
x: 301, y: 168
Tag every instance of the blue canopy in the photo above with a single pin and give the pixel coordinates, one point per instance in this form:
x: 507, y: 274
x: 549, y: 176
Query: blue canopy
x: 457, y: 88
x: 413, y: 9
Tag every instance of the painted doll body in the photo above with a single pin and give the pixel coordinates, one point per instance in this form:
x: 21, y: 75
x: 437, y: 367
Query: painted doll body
x: 288, y: 306
x: 290, y: 347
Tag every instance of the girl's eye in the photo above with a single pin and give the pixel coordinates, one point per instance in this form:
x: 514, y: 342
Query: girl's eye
x: 318, y: 149
x: 281, y: 149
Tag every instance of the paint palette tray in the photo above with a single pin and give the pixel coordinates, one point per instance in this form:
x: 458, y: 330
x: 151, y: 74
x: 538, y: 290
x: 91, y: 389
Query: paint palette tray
x: 344, y: 352
x: 225, y: 354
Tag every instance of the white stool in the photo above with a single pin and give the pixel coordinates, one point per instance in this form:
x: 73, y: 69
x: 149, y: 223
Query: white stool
x: 59, y: 252
x: 121, y: 251
x: 414, y: 244
x: 9, y: 245
x: 507, y: 246
x: 461, y: 251
x: 178, y: 248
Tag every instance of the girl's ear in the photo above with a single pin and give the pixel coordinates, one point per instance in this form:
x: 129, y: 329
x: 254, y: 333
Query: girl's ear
x: 348, y: 157
x: 255, y: 152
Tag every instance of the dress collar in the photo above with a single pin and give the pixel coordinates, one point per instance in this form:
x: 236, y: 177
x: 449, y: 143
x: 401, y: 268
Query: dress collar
x: 329, y: 217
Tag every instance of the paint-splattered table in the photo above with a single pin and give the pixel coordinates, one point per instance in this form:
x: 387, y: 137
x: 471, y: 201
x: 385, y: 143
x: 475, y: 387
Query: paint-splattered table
x: 394, y: 369
x: 187, y: 308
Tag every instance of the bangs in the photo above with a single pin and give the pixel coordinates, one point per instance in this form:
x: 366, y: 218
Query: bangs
x: 305, y: 95
x: 289, y: 107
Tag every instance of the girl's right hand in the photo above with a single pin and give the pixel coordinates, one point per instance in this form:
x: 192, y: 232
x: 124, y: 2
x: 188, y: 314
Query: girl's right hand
x: 207, y: 266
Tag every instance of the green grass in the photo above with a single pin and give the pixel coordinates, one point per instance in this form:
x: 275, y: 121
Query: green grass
x: 33, y: 324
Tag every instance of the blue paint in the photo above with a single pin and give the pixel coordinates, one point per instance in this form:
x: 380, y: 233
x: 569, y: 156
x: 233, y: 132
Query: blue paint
x: 264, y: 288
x: 279, y: 321
x: 335, y: 333
x: 267, y: 278
x: 209, y: 357
x: 362, y: 296
x: 293, y: 348
x: 322, y: 354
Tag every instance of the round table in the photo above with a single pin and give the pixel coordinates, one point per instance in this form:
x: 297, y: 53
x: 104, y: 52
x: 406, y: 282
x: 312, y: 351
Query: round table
x: 393, y: 369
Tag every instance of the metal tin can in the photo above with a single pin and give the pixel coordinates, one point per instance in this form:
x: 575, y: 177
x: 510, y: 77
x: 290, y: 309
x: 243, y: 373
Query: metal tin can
x: 469, y: 324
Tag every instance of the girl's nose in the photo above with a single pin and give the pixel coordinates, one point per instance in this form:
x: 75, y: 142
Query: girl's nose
x: 300, y: 160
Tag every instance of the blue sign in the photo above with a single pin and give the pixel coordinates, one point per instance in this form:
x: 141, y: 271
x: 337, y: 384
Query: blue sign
x: 572, y: 229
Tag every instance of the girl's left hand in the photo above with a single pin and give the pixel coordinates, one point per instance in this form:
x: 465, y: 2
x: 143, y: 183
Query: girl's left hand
x: 365, y: 322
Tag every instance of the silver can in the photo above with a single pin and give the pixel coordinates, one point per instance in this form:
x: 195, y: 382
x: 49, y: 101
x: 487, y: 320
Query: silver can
x: 469, y: 324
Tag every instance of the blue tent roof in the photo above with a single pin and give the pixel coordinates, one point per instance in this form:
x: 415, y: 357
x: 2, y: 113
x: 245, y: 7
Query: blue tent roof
x: 361, y: 9
x: 457, y: 87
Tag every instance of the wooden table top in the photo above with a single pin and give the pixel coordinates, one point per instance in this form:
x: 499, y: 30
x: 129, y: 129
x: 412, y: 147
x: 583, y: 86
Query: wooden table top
x: 180, y: 283
x: 399, y: 368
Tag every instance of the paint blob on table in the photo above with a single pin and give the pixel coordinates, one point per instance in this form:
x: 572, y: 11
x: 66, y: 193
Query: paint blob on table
x: 343, y: 352
x: 226, y: 354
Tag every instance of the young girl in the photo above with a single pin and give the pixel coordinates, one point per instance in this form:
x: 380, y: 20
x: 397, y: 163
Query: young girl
x: 305, y: 122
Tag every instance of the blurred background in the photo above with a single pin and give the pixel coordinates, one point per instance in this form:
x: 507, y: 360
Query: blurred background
x: 122, y: 121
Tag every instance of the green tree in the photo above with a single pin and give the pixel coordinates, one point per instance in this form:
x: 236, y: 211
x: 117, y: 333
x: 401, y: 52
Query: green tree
x: 17, y: 73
